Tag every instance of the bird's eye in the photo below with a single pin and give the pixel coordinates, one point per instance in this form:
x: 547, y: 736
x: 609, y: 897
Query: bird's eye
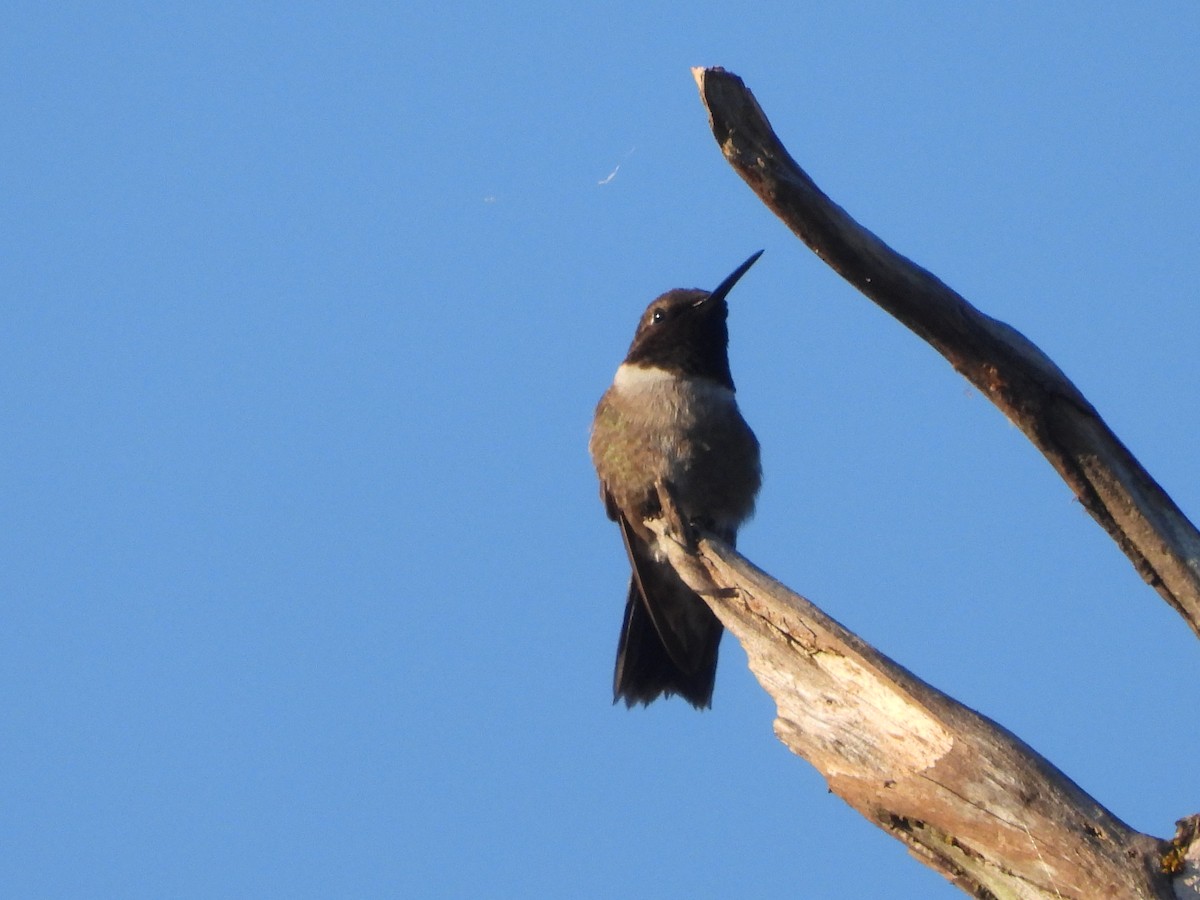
x: 658, y: 316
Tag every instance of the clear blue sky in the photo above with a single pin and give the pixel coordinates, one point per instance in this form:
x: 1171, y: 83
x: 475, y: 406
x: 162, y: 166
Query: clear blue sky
x: 305, y: 589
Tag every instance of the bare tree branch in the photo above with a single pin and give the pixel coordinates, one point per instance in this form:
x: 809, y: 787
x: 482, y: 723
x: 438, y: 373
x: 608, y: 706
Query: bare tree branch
x: 1029, y: 388
x: 967, y: 797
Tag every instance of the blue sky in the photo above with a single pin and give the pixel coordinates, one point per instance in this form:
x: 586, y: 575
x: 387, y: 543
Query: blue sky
x: 305, y: 589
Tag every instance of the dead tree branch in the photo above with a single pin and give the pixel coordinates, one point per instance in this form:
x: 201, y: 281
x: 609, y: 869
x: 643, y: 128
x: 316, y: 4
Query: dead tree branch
x: 967, y: 797
x: 1029, y: 388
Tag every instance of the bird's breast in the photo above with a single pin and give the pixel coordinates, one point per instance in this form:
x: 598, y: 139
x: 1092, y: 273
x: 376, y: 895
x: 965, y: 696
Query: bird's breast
x: 652, y: 424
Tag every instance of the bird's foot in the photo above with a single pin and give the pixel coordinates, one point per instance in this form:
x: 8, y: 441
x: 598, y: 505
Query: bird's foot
x: 684, y: 531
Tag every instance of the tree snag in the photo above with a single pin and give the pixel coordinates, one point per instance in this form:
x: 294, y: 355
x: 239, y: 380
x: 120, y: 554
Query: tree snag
x: 968, y: 798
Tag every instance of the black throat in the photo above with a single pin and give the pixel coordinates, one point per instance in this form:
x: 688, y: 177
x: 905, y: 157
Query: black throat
x: 685, y: 332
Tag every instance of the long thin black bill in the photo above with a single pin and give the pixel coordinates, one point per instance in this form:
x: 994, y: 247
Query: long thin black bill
x: 727, y: 285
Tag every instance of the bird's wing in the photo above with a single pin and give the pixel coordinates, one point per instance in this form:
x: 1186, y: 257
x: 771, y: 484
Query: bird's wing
x: 679, y: 615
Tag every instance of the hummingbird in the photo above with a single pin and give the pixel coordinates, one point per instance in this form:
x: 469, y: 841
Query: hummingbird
x: 671, y: 415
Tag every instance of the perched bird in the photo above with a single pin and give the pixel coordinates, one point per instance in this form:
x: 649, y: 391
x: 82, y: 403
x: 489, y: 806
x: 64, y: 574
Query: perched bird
x: 671, y: 415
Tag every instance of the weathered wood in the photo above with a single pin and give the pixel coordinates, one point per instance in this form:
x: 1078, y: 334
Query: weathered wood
x: 966, y: 796
x: 1182, y: 860
x: 1160, y: 541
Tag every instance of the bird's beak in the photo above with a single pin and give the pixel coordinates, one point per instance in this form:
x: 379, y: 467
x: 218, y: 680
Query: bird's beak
x: 727, y: 285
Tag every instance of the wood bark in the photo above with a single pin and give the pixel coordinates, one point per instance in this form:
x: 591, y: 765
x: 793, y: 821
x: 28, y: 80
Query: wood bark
x: 966, y: 796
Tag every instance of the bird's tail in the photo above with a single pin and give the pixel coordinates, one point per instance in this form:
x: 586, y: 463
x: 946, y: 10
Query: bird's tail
x: 645, y: 669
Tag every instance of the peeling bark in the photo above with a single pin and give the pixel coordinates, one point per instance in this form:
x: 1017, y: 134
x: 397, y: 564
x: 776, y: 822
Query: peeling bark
x: 967, y: 797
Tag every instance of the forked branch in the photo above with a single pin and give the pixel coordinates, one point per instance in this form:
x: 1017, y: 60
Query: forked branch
x: 967, y: 797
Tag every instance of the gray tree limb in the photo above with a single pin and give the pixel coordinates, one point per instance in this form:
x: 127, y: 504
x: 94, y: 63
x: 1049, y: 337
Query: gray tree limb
x: 966, y: 796
x: 1010, y: 370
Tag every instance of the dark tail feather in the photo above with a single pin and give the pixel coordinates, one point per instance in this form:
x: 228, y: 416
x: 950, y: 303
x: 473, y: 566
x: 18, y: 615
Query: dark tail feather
x: 645, y: 670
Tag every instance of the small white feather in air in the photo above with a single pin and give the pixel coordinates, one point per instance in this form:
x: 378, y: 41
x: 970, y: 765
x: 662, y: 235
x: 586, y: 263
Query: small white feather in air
x: 613, y: 174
